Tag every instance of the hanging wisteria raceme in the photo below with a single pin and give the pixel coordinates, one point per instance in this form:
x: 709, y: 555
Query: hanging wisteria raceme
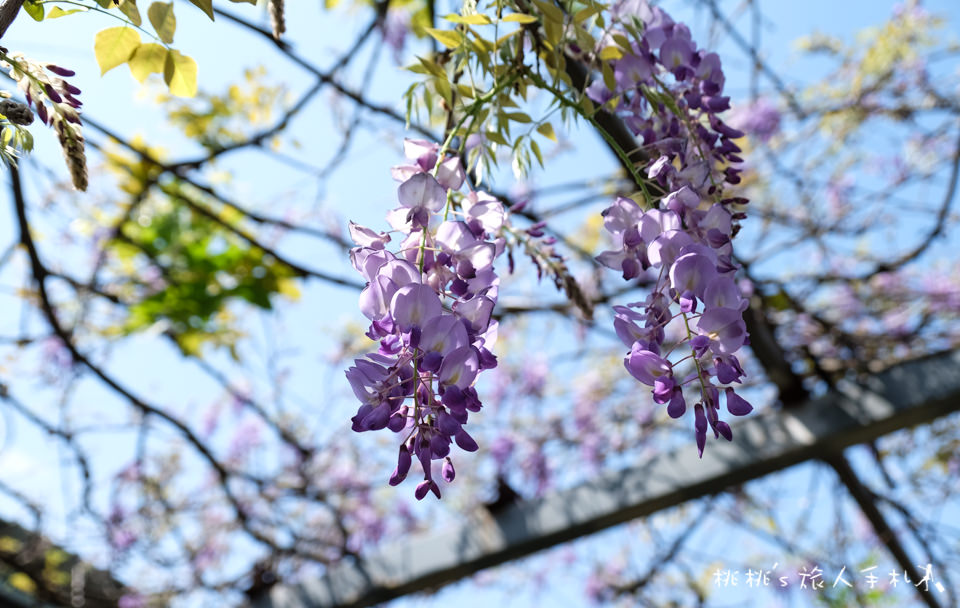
x: 430, y: 306
x: 42, y: 84
x: 669, y: 93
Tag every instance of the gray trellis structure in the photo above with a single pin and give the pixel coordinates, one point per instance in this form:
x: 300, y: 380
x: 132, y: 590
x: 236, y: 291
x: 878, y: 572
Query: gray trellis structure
x: 908, y: 394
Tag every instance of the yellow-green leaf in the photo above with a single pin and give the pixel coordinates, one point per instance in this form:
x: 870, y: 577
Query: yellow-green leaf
x: 519, y: 18
x: 56, y: 11
x: 206, y: 6
x: 180, y: 74
x: 448, y: 38
x: 129, y: 8
x: 476, y: 19
x: 163, y: 20
x: 518, y: 117
x: 148, y: 59
x: 114, y: 46
x: 34, y: 9
x: 550, y: 10
x: 585, y: 13
x: 546, y: 129
x: 535, y: 147
x: 610, y: 52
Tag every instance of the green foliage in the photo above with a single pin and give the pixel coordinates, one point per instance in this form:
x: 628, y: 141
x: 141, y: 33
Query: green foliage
x: 203, y: 267
x: 114, y: 46
x: 163, y: 20
x: 35, y: 9
x: 216, y: 121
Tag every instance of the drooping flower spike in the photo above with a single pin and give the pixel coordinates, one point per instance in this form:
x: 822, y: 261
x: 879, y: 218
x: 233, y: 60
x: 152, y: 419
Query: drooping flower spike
x: 685, y: 238
x: 430, y: 306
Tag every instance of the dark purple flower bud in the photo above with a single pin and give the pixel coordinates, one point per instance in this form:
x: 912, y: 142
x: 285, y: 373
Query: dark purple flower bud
x: 471, y: 399
x: 448, y: 473
x: 728, y: 369
x: 737, y: 405
x: 677, y: 406
x: 487, y: 359
x: 431, y: 361
x: 427, y: 485
x: 631, y: 268
x: 663, y: 388
x: 59, y: 71
x: 724, y: 429
x: 42, y: 113
x: 722, y: 128
x: 447, y: 424
x: 377, y: 418
x: 465, y: 441
x: 398, y: 420
x: 459, y: 413
x: 403, y: 466
x: 357, y: 420
x: 453, y: 396
x: 439, y: 446
x: 700, y: 418
x: 52, y: 93
x: 700, y: 344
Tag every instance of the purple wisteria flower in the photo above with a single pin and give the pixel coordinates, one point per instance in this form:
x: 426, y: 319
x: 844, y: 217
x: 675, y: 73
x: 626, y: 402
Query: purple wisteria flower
x: 683, y: 242
x: 430, y: 306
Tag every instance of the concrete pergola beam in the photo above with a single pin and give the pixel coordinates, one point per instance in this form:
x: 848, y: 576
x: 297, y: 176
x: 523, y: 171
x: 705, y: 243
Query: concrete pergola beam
x: 912, y: 393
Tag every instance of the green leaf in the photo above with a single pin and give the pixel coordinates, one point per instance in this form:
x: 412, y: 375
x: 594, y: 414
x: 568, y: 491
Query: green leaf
x: 536, y: 150
x: 518, y: 117
x: 610, y: 52
x: 34, y: 9
x: 448, y: 38
x: 148, y: 59
x: 129, y: 8
x: 206, y: 6
x: 519, y: 18
x: 114, y: 46
x: 163, y: 20
x: 551, y: 11
x: 180, y: 74
x: 546, y: 129
x: 56, y: 11
x: 477, y: 19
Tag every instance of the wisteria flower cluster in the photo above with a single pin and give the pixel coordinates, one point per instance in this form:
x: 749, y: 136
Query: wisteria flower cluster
x: 430, y: 306
x: 42, y: 84
x: 686, y: 239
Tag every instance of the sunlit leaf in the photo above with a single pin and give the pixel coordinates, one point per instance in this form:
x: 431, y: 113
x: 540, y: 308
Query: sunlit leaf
x: 448, y: 38
x: 56, y: 11
x: 519, y: 18
x: 114, y: 46
x: 546, y: 129
x: 148, y: 59
x: 206, y: 6
x: 163, y: 20
x: 477, y: 19
x: 34, y: 9
x: 129, y: 8
x: 180, y: 74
